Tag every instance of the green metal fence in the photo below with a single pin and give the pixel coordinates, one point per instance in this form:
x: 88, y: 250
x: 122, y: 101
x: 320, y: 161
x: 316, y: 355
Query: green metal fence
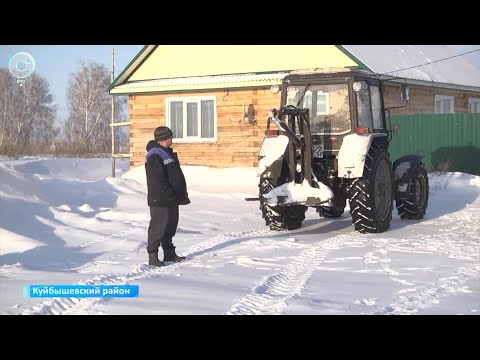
x: 450, y: 142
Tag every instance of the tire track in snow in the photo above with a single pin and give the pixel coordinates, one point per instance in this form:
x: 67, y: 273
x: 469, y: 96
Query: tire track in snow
x: 134, y: 227
x: 59, y: 306
x: 427, y: 296
x: 269, y: 297
x: 463, y: 245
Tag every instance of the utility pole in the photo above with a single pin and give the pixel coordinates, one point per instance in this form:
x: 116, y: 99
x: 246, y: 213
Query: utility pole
x: 113, y: 112
x: 118, y: 123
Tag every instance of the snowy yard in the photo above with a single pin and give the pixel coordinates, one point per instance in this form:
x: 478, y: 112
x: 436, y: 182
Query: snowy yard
x: 67, y: 221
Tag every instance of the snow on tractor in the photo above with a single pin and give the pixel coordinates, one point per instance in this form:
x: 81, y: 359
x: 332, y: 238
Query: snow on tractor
x: 330, y: 145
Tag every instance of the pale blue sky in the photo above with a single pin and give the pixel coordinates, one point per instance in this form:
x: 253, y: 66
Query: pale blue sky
x: 57, y: 62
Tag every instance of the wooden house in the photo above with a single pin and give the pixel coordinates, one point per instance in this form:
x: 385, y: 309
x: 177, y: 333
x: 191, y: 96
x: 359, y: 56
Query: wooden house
x: 216, y: 98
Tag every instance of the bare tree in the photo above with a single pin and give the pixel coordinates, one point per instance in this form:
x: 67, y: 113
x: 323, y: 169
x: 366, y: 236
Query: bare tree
x: 27, y: 112
x: 38, y: 110
x: 89, y: 105
x: 6, y: 106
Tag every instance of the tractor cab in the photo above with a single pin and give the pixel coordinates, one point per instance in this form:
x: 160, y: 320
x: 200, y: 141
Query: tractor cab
x: 339, y: 104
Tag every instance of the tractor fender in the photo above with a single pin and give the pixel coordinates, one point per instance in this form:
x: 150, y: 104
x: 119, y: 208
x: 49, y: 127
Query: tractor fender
x: 270, y: 157
x: 351, y: 157
x: 403, y: 170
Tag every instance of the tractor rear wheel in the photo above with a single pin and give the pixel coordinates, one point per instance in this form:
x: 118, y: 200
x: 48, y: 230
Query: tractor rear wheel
x: 415, y: 206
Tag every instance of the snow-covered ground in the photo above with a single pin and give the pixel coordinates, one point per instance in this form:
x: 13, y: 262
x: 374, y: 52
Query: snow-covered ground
x: 67, y: 221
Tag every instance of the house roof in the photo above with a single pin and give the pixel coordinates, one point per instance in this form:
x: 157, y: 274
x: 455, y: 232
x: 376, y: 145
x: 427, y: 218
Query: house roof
x: 133, y: 65
x: 405, y: 61
x: 230, y: 66
x: 183, y: 61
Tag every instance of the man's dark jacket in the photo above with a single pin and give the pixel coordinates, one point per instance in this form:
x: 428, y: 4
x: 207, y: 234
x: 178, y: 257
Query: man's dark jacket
x: 165, y: 180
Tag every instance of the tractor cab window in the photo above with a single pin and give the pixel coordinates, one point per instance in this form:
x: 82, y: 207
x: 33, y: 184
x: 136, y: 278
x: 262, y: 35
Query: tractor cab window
x: 376, y: 108
x: 364, y: 109
x: 328, y: 107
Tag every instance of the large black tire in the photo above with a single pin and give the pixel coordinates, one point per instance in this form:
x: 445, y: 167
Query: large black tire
x: 339, y: 203
x: 280, y: 217
x: 371, y: 197
x: 415, y: 206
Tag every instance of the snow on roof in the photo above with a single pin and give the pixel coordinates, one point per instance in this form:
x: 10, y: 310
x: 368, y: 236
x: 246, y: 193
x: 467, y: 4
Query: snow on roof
x: 202, y: 81
x: 391, y: 59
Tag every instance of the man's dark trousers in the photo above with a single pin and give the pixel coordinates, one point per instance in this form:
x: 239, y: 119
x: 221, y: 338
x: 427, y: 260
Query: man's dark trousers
x: 163, y: 226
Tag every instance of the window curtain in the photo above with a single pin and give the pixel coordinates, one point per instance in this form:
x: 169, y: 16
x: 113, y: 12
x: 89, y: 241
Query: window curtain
x: 192, y: 119
x: 207, y: 118
x: 176, y: 118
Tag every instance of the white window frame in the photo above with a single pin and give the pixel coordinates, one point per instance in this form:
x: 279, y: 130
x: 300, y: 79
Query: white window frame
x: 198, y: 100
x: 443, y: 98
x: 471, y: 103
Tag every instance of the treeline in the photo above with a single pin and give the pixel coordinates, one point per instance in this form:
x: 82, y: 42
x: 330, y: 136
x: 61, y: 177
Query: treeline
x: 28, y: 114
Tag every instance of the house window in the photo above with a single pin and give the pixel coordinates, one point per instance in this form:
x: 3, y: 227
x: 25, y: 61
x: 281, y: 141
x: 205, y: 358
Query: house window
x: 473, y: 105
x: 443, y: 104
x: 316, y: 101
x: 323, y: 103
x: 192, y: 118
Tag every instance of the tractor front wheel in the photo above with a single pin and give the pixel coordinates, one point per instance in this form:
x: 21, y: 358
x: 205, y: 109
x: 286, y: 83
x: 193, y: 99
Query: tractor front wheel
x: 371, y: 197
x: 280, y: 217
x: 339, y: 203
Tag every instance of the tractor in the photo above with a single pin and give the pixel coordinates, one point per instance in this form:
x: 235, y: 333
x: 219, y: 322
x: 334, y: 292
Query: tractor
x: 329, y: 146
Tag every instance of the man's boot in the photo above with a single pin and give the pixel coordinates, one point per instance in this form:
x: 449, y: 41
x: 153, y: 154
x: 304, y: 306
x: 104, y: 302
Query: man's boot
x: 153, y: 259
x: 169, y: 255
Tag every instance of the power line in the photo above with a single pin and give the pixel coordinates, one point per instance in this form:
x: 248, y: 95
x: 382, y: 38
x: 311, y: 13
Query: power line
x: 432, y: 62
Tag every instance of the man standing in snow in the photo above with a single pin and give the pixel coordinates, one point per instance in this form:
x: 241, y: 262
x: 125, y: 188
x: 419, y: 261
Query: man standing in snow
x: 167, y: 189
